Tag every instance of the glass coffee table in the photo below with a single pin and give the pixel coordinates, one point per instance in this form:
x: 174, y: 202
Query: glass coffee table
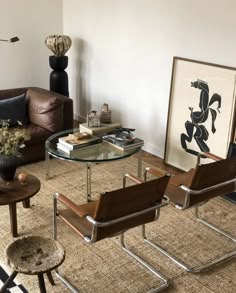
x: 97, y: 153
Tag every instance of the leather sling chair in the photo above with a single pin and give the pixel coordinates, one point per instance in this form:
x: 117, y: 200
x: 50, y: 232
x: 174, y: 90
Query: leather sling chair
x: 114, y: 213
x: 194, y: 188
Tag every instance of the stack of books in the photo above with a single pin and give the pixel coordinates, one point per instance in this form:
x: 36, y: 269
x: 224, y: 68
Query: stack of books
x: 121, y: 144
x: 100, y: 129
x: 73, y: 142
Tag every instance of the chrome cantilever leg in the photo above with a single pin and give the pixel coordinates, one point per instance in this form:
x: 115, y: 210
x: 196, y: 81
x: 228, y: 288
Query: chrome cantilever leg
x: 165, y: 282
x: 47, y: 165
x: 54, y: 217
x: 201, y: 220
x: 66, y: 282
x: 59, y: 275
x: 88, y: 173
x: 202, y: 267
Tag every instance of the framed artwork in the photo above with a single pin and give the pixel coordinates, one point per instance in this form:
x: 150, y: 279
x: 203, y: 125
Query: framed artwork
x: 201, y: 111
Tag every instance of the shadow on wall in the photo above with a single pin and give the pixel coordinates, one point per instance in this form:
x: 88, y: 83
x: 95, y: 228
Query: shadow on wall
x: 83, y: 102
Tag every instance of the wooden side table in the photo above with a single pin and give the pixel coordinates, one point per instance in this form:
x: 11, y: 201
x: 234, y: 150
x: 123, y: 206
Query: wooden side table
x: 13, y: 191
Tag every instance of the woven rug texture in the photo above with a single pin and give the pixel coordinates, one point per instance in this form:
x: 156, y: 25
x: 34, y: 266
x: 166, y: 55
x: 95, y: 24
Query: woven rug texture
x: 103, y: 267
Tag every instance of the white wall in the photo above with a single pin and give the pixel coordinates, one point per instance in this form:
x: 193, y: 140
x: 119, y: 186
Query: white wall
x: 25, y: 63
x: 121, y: 53
x: 123, y: 49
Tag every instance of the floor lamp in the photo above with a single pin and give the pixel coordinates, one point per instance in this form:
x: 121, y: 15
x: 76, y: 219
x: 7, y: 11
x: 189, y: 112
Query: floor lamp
x: 11, y: 40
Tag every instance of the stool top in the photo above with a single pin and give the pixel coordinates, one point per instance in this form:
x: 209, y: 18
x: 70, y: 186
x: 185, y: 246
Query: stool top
x: 34, y: 254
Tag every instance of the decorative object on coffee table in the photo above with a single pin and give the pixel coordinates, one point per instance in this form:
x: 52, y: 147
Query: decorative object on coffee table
x: 105, y: 116
x: 124, y: 139
x: 59, y: 45
x: 93, y: 119
x: 104, y: 128
x: 34, y: 255
x: 11, y: 141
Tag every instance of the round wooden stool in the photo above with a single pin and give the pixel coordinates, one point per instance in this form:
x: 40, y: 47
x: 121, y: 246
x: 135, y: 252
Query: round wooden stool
x: 34, y: 255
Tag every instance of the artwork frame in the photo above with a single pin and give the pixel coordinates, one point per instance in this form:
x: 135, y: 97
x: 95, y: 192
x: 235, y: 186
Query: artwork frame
x: 201, y: 111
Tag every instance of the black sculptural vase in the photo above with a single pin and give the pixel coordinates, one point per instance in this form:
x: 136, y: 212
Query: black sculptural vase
x: 59, y: 77
x: 8, y: 165
x: 59, y: 45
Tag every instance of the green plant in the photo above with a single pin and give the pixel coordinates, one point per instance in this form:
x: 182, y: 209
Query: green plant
x: 12, y: 138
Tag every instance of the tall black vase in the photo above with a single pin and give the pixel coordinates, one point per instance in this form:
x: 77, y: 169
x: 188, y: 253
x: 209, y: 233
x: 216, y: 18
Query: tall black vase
x: 59, y: 77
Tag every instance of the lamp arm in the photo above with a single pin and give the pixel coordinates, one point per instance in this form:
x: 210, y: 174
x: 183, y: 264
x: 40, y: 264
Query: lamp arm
x: 11, y: 40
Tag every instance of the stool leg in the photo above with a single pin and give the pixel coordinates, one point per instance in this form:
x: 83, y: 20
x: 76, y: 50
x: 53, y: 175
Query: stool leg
x: 41, y: 283
x: 50, y: 278
x: 8, y: 282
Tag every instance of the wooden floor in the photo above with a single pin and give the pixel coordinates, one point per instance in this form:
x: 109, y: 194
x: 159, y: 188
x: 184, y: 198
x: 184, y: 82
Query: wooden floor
x: 158, y: 162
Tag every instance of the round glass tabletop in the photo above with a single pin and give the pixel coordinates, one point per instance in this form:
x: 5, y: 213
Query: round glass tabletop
x: 99, y: 152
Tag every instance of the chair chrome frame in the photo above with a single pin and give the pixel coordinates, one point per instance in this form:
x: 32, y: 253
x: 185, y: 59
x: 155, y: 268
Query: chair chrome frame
x: 164, y: 281
x: 188, y: 192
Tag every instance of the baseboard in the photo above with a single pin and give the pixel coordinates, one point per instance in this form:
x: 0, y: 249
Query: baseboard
x: 79, y: 118
x: 153, y: 150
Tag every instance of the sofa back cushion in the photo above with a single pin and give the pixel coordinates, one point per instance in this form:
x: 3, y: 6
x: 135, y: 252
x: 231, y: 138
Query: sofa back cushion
x: 44, y: 110
x: 14, y: 109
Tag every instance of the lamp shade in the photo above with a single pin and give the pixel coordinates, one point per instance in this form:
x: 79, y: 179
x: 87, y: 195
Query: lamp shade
x: 14, y: 39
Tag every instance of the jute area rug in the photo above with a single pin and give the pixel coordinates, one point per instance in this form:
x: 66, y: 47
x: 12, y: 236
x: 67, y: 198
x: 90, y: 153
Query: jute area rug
x: 103, y: 266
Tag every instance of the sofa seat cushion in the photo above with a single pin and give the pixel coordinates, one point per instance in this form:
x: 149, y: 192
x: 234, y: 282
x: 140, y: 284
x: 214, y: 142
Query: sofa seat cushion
x: 37, y: 133
x: 14, y: 109
x: 45, y: 111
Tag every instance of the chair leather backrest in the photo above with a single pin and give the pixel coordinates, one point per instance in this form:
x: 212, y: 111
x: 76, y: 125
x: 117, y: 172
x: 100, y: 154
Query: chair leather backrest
x: 213, y: 173
x: 125, y: 201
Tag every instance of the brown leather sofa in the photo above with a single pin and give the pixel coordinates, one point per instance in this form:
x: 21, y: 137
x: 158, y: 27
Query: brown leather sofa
x: 47, y: 113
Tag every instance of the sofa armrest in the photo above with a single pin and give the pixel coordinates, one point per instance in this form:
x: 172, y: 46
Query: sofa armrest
x: 49, y: 110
